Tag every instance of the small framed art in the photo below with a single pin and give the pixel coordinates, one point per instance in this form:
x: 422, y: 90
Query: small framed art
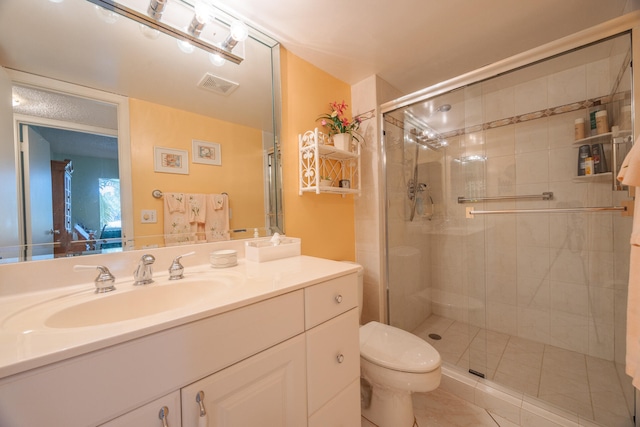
x: 171, y: 160
x: 206, y: 152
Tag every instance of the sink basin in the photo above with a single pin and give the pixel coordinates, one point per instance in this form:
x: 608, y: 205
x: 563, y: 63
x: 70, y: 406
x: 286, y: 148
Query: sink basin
x: 82, y: 310
x: 139, y: 302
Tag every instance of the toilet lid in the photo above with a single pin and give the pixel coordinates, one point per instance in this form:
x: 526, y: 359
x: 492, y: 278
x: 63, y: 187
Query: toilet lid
x: 396, y: 349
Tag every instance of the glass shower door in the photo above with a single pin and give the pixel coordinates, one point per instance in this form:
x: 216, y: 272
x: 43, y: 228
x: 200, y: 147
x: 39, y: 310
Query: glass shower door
x: 529, y: 293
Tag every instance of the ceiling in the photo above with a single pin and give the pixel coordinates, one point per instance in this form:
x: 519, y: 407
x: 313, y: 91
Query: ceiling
x: 413, y: 44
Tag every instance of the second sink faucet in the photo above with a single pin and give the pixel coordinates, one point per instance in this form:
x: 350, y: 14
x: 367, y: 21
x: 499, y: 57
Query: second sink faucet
x: 144, y: 273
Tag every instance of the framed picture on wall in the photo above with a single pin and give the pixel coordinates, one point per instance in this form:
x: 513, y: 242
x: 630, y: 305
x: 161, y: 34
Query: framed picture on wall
x: 170, y: 160
x: 206, y: 152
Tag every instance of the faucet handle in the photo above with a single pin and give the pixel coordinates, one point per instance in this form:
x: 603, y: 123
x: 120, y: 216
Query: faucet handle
x: 104, y: 281
x: 176, y: 269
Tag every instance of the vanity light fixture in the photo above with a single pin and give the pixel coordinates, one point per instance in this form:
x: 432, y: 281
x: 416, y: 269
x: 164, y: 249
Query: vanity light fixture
x: 156, y: 8
x: 203, y: 14
x: 151, y: 20
x: 238, y: 32
x: 196, y: 25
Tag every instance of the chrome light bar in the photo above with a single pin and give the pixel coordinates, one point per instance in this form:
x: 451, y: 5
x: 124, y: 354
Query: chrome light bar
x: 150, y: 22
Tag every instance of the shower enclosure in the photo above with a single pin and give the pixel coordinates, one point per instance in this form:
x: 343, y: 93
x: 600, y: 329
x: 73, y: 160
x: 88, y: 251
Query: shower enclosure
x: 496, y: 255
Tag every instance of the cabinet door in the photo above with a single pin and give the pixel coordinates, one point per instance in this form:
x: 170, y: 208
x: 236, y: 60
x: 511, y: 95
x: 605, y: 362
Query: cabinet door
x: 341, y: 411
x: 333, y: 358
x: 266, y: 390
x: 149, y: 414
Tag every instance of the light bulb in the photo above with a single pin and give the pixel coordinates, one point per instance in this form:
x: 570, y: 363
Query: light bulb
x: 216, y: 59
x: 204, y: 11
x: 148, y: 32
x: 106, y: 15
x: 185, y: 46
x: 239, y: 31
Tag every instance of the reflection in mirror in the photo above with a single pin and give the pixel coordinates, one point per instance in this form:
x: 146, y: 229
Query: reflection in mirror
x: 170, y: 99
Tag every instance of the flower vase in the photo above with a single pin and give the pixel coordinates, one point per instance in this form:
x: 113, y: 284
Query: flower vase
x: 342, y: 141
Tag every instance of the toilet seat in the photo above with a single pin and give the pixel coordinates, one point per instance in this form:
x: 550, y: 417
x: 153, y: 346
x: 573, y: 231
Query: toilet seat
x: 395, y: 349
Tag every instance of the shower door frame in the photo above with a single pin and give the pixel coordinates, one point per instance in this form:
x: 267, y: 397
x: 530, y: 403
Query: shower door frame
x: 629, y: 23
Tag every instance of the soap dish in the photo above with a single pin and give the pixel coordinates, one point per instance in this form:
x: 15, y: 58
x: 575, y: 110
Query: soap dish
x: 224, y: 258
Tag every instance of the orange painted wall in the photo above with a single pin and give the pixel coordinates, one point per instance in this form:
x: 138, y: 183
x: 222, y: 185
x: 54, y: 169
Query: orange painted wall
x: 324, y: 222
x: 241, y: 152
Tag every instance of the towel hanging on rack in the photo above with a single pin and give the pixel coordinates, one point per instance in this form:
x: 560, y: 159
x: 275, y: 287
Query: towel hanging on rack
x: 177, y: 228
x: 217, y: 218
x: 204, y: 218
x: 630, y: 175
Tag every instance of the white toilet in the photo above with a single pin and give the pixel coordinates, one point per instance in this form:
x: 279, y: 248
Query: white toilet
x: 393, y: 364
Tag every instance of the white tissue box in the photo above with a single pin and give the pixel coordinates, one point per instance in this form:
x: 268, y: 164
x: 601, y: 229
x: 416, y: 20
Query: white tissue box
x: 265, y: 250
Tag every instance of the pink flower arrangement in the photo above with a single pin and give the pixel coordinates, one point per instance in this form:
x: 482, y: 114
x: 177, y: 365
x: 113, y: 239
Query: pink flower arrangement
x: 336, y: 122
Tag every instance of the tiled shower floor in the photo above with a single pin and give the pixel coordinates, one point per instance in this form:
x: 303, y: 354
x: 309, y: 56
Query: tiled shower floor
x: 574, y: 382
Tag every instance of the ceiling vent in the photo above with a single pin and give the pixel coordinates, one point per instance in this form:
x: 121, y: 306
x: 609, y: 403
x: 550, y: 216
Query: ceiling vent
x: 217, y: 84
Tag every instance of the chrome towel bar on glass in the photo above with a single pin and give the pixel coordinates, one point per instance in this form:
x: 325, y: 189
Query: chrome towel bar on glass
x: 547, y: 195
x: 470, y: 212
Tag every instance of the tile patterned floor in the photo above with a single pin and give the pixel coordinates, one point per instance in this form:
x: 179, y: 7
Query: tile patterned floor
x: 574, y: 382
x: 442, y: 409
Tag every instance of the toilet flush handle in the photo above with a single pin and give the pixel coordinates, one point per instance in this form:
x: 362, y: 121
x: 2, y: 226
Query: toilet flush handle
x: 338, y: 298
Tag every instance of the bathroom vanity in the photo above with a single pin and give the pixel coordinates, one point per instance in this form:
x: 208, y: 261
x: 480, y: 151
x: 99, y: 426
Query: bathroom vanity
x: 270, y: 344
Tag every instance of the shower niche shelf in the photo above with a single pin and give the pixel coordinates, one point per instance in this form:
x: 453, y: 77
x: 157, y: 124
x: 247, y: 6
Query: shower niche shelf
x: 324, y: 168
x: 610, y: 141
x: 604, y: 138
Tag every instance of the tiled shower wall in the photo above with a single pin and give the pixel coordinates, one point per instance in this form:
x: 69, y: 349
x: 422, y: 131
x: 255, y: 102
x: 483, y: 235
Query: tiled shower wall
x: 559, y: 279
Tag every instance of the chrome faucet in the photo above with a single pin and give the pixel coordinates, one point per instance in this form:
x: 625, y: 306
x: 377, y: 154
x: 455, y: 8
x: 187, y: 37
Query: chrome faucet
x: 104, y: 281
x: 144, y: 273
x: 176, y: 269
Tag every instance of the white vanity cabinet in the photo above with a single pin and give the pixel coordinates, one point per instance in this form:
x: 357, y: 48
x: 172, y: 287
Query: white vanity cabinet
x: 288, y: 359
x: 333, y: 353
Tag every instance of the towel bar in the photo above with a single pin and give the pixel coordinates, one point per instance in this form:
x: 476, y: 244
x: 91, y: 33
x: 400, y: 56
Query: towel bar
x: 470, y: 212
x: 157, y: 194
x: 547, y: 195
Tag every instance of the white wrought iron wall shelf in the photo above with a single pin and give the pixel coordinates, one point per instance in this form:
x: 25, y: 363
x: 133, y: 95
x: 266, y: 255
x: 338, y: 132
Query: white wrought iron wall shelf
x: 318, y: 159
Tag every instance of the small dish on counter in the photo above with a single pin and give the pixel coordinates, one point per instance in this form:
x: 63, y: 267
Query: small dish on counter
x: 224, y: 258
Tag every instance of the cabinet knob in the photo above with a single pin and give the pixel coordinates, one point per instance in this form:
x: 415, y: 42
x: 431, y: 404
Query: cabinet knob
x: 338, y: 298
x: 340, y: 358
x: 164, y: 413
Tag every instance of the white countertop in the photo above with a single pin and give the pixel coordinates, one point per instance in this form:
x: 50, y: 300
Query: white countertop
x: 26, y: 343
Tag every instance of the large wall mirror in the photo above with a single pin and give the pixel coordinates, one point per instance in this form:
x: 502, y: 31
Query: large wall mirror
x: 94, y: 105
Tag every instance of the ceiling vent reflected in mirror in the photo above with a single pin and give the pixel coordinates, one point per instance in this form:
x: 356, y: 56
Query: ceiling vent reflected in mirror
x: 217, y: 84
